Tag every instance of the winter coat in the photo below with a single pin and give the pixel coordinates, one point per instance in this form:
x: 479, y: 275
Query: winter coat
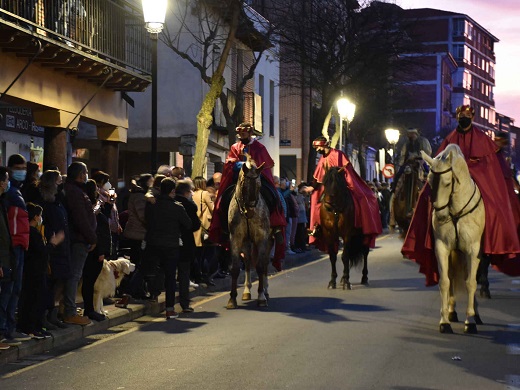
x: 205, y: 206
x: 17, y: 216
x: 82, y: 220
x: 135, y: 228
x: 55, y: 220
x: 165, y: 219
x: 188, y: 239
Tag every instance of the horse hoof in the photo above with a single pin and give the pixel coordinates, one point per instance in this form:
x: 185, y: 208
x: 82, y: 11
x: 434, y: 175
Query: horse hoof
x: 484, y: 293
x: 232, y: 304
x: 267, y: 297
x: 246, y: 296
x: 331, y: 285
x: 453, y: 317
x: 470, y: 328
x: 349, y: 286
x: 364, y: 282
x: 478, y: 320
x: 262, y: 303
x: 445, y: 328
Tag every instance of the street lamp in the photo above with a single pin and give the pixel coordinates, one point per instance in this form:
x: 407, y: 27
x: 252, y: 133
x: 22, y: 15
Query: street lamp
x: 392, y: 136
x: 154, y: 12
x: 346, y: 110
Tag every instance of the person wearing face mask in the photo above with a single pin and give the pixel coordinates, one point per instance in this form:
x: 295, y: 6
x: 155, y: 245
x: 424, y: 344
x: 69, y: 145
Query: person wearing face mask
x: 19, y: 228
x: 247, y: 144
x: 108, y: 196
x: 500, y: 240
x: 366, y: 207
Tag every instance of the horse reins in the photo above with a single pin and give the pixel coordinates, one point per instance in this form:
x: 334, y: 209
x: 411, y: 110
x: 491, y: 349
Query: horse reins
x: 244, y: 209
x: 454, y: 217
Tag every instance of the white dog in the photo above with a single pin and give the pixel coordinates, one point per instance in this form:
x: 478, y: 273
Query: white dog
x: 109, y: 279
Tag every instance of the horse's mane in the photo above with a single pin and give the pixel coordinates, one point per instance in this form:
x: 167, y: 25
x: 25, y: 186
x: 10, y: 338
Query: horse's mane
x: 334, y: 183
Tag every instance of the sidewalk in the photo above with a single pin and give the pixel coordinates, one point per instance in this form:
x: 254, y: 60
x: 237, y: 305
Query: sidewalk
x: 117, y: 316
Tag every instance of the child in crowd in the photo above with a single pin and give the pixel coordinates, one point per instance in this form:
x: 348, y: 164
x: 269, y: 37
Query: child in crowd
x: 32, y: 301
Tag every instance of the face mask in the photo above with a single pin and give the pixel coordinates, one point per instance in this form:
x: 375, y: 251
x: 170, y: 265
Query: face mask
x: 19, y: 174
x: 39, y: 174
x: 86, y: 177
x: 107, y: 186
x: 321, y: 151
x: 245, y: 141
x: 40, y: 222
x: 8, y: 186
x: 464, y: 122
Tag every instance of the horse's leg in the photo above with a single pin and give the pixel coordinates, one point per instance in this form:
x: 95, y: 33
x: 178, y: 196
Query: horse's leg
x: 333, y: 256
x: 262, y: 300
x: 364, y: 278
x: 246, y: 295
x: 452, y: 304
x: 345, y: 280
x: 470, y: 325
x: 482, y: 277
x: 235, y: 271
x: 443, y: 253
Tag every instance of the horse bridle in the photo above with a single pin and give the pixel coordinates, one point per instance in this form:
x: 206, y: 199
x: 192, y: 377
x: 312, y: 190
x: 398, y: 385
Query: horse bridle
x: 454, y: 217
x: 243, y: 208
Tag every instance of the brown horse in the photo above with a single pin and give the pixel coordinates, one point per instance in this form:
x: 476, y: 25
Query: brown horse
x: 337, y: 221
x: 406, y: 194
x: 249, y: 233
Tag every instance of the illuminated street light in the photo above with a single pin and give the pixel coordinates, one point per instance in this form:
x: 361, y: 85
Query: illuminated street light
x: 346, y: 110
x: 154, y: 12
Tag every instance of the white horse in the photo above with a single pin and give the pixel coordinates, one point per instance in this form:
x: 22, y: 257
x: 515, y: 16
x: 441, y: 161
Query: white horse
x: 458, y: 223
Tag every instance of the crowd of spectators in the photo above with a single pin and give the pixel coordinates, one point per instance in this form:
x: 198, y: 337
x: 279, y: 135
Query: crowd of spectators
x: 57, y: 229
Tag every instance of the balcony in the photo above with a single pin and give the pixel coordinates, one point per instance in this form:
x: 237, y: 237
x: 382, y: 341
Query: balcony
x: 87, y: 39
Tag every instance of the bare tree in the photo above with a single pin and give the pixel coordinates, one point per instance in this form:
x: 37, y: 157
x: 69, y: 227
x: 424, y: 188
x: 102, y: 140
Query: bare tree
x: 329, y: 46
x: 200, y: 27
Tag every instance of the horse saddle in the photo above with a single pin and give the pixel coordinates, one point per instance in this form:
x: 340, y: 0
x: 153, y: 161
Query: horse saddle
x: 267, y: 192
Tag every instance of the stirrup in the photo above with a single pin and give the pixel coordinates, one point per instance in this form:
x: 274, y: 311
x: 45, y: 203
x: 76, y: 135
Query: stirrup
x: 314, y: 232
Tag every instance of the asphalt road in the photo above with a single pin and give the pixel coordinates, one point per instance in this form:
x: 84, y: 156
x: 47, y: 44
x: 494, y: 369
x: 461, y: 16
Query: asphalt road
x: 384, y: 336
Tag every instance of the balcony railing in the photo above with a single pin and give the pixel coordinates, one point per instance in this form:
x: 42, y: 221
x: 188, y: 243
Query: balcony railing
x: 111, y: 30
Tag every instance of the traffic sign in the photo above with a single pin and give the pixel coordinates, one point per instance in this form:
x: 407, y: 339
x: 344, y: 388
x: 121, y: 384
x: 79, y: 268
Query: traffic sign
x: 388, y: 171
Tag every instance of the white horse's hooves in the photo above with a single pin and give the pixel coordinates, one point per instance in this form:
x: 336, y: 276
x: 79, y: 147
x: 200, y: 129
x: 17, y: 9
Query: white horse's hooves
x: 445, y: 328
x: 246, y: 296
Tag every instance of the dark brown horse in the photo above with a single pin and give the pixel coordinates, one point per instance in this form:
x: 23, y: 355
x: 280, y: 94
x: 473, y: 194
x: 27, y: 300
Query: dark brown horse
x: 337, y: 221
x: 249, y: 233
x: 406, y: 195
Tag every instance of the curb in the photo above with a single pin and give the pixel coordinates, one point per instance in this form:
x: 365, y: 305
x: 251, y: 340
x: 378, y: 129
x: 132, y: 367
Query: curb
x: 117, y: 316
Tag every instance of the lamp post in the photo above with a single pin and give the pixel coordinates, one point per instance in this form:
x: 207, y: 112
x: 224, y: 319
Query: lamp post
x: 392, y: 136
x: 154, y: 12
x: 346, y: 110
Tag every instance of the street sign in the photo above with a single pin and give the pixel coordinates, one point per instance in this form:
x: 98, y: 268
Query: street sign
x: 388, y: 171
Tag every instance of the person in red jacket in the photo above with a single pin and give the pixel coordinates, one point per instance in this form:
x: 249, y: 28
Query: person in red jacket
x: 18, y: 221
x: 366, y: 207
x: 237, y: 155
x: 500, y: 240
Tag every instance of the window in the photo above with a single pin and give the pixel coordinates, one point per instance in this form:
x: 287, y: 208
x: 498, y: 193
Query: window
x: 458, y: 27
x: 466, y: 80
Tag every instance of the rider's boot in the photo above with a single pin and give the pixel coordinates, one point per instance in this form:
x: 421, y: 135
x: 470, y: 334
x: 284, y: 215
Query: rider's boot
x: 278, y: 235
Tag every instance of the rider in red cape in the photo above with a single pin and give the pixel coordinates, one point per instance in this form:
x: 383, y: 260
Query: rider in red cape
x: 366, y: 207
x: 258, y: 152
x: 500, y: 239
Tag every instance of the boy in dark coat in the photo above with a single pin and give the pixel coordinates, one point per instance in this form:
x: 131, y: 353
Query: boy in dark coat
x: 164, y: 221
x: 183, y: 195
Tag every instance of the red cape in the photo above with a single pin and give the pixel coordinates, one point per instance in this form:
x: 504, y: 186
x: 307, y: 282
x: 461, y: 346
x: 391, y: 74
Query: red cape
x: 366, y: 207
x: 260, y: 155
x: 500, y: 237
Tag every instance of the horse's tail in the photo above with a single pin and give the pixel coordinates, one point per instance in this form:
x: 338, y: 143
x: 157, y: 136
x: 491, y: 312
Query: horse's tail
x: 356, y: 250
x: 458, y: 271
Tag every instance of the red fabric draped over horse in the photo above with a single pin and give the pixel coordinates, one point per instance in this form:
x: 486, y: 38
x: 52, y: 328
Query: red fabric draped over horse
x: 500, y: 239
x: 247, y: 144
x: 367, y: 216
